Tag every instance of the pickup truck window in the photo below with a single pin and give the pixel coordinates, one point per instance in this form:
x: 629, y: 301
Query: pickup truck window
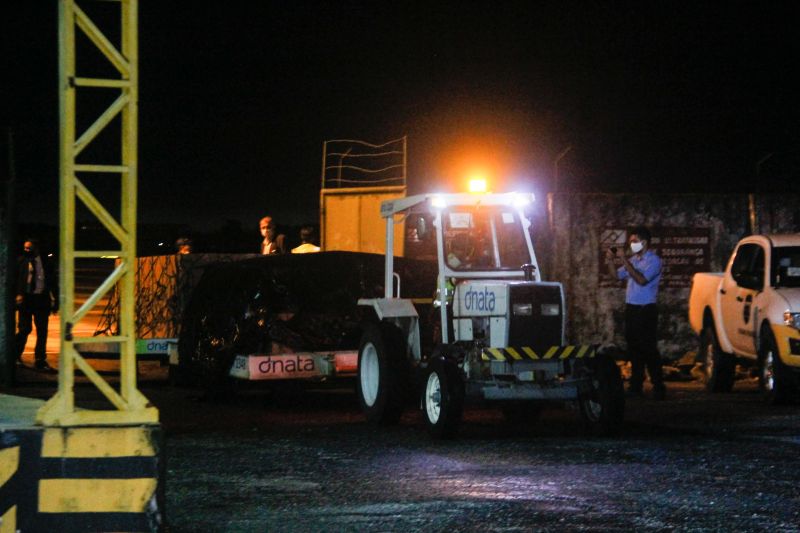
x: 786, y: 266
x: 747, y: 269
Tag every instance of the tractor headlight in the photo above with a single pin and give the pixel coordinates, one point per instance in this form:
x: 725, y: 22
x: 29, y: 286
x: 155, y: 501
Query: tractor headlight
x: 523, y: 309
x: 438, y: 202
x: 522, y: 200
x: 551, y: 309
x: 791, y: 319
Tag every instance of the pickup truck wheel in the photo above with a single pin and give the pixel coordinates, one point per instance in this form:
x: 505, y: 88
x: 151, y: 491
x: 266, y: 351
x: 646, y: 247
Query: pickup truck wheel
x: 776, y: 381
x: 766, y: 370
x: 603, y: 406
x: 719, y: 367
x: 443, y: 399
x: 382, y: 374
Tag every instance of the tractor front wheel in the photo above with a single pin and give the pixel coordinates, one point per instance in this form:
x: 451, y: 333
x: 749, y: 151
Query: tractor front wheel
x: 602, y: 407
x: 443, y: 398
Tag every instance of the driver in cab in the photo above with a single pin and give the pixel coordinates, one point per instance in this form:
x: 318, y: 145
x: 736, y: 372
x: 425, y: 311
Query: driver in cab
x: 467, y: 251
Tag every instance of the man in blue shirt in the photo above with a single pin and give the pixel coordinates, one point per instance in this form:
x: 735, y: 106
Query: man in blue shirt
x: 642, y: 271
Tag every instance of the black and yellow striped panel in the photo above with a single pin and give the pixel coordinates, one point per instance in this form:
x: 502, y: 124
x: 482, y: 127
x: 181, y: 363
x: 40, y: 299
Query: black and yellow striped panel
x: 107, y: 477
x: 19, y: 470
x: 82, y: 479
x: 526, y: 353
x: 9, y: 465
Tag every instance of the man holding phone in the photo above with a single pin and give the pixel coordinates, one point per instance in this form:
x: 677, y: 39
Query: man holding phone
x: 642, y: 271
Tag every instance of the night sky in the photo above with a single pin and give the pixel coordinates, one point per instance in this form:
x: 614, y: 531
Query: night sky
x: 237, y: 98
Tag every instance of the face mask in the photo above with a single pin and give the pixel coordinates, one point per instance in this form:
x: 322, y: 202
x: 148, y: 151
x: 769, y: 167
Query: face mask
x: 636, y: 247
x: 28, y: 253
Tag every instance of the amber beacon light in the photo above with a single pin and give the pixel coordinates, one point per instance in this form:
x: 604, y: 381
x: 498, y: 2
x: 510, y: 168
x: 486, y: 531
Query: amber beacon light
x: 477, y: 185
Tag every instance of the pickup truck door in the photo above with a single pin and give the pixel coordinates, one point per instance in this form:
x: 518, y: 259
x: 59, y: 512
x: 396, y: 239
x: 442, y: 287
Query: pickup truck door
x: 739, y: 287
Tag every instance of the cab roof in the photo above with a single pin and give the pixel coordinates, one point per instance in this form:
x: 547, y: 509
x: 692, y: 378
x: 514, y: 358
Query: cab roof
x: 398, y: 205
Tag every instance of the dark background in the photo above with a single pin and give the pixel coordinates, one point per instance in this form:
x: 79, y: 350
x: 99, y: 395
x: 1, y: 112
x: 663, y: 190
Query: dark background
x: 236, y: 100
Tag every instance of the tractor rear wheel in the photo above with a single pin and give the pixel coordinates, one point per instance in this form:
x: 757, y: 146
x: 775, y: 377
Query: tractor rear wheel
x: 383, y: 377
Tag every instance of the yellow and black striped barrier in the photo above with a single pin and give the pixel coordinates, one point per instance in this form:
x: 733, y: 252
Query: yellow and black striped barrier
x: 526, y: 353
x: 81, y: 479
x: 9, y: 465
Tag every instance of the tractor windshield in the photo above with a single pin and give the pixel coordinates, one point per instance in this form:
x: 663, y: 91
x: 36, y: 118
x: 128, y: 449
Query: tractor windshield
x: 481, y: 238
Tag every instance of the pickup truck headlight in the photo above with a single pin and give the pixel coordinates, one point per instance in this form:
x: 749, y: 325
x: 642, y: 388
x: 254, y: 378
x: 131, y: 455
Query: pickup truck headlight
x: 791, y: 319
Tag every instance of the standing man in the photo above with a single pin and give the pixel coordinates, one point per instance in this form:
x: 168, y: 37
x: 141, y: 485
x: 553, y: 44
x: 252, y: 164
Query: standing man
x: 642, y: 271
x: 273, y: 242
x: 183, y: 246
x: 37, y: 296
x: 307, y: 245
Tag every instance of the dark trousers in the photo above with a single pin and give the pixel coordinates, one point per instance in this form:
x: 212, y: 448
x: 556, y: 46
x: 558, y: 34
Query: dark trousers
x: 34, y: 310
x: 641, y: 324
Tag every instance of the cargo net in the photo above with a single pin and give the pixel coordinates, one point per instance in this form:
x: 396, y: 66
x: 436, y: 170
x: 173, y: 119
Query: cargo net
x: 285, y: 304
x: 351, y: 163
x: 163, y: 286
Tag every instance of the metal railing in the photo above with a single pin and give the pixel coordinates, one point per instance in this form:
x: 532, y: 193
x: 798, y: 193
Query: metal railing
x: 354, y: 163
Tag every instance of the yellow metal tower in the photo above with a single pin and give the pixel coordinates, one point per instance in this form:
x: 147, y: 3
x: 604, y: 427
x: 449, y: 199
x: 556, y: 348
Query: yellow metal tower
x: 131, y: 407
x: 74, y: 467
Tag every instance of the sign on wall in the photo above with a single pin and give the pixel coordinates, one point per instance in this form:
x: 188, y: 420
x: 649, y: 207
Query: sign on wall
x: 684, y: 251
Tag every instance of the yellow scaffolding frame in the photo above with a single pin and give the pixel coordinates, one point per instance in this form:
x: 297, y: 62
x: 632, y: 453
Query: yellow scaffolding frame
x: 131, y: 406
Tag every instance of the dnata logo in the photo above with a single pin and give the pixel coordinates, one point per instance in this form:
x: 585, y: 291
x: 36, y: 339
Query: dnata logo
x: 155, y: 346
x: 479, y: 300
x: 281, y: 365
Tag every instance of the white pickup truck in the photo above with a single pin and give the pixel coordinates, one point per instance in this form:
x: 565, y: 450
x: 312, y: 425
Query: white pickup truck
x: 751, y: 312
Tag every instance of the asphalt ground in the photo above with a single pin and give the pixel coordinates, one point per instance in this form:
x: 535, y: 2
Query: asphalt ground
x: 305, y: 460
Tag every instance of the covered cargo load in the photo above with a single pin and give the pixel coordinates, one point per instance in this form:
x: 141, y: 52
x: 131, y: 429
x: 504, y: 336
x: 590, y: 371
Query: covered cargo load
x: 286, y: 304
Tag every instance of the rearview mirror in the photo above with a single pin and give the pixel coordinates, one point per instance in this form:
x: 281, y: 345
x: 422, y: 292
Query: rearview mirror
x: 422, y: 228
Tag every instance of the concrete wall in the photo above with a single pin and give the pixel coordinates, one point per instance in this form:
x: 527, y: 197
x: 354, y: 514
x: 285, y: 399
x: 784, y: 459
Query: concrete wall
x: 570, y: 251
